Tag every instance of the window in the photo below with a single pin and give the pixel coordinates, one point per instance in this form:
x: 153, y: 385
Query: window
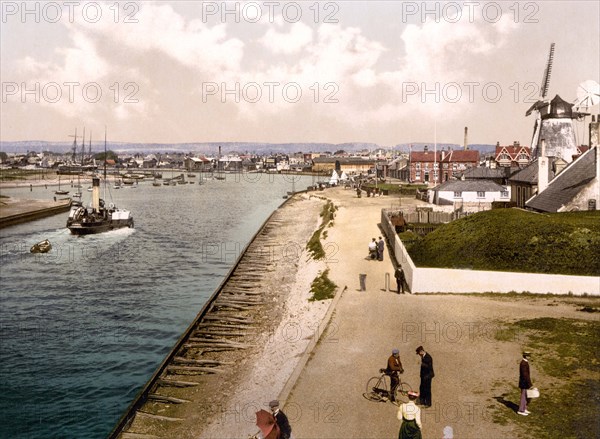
x: 504, y: 194
x: 480, y: 194
x: 457, y: 194
x: 445, y: 165
x: 417, y: 165
x: 418, y: 175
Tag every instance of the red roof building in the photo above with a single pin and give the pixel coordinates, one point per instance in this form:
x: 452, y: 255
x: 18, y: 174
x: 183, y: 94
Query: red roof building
x: 437, y: 167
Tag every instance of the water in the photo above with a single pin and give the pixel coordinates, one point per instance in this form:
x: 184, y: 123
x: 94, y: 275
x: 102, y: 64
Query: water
x: 83, y: 327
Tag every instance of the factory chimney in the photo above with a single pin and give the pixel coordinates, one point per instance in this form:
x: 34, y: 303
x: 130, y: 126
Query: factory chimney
x: 466, y: 144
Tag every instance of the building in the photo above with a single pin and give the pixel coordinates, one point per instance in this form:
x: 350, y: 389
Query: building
x: 349, y: 165
x: 439, y: 166
x: 514, y: 155
x: 469, y: 194
x: 576, y: 187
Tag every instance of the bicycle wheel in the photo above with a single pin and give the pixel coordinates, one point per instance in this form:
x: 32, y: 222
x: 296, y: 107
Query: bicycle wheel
x: 376, y: 389
x: 402, y: 391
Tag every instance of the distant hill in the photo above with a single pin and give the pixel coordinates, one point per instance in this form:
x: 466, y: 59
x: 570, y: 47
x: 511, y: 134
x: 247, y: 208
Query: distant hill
x: 212, y: 148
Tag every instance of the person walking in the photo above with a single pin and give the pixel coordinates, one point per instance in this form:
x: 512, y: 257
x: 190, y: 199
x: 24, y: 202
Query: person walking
x: 393, y: 370
x: 524, y: 383
x: 427, y: 375
x: 281, y: 419
x: 410, y: 416
x: 373, y: 249
x: 380, y: 248
x: 400, y: 278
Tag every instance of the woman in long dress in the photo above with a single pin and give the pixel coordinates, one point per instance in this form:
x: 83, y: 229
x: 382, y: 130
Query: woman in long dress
x: 410, y: 416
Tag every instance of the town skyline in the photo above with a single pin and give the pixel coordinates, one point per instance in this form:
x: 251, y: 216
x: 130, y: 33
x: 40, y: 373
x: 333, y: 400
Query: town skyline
x: 386, y: 73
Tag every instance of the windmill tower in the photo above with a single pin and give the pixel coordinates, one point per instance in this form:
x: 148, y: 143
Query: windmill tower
x: 554, y: 121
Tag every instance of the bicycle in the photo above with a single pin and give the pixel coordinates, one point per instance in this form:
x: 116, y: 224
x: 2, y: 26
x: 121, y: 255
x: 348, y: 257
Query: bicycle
x: 378, y: 388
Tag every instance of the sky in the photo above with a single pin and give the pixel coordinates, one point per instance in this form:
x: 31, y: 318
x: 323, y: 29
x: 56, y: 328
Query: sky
x: 385, y: 72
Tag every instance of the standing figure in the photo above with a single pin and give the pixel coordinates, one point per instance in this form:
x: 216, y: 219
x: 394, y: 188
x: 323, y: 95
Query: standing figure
x: 281, y: 419
x: 400, y: 278
x: 380, y: 247
x: 524, y: 383
x: 394, y: 368
x: 427, y: 375
x: 410, y: 415
x: 373, y: 249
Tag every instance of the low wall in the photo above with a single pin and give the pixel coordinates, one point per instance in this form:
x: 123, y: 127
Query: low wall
x: 445, y: 280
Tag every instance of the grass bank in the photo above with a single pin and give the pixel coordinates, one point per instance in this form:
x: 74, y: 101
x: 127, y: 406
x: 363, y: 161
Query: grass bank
x: 513, y: 240
x: 314, y: 246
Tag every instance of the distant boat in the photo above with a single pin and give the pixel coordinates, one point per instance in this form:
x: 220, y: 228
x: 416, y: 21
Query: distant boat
x: 128, y: 181
x: 156, y: 183
x: 98, y: 218
x: 59, y: 191
x: 41, y: 247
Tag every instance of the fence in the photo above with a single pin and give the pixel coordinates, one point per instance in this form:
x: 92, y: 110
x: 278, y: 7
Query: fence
x: 444, y: 280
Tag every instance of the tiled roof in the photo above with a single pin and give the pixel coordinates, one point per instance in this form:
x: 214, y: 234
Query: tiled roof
x: 344, y: 160
x: 482, y: 172
x: 469, y: 186
x: 470, y: 155
x: 529, y: 174
x: 567, y: 184
x: 425, y: 156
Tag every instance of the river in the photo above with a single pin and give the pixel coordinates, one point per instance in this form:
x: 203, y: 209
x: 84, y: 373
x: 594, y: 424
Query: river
x: 84, y: 326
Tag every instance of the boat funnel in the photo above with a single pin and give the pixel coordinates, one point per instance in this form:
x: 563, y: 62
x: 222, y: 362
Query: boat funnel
x: 96, y: 194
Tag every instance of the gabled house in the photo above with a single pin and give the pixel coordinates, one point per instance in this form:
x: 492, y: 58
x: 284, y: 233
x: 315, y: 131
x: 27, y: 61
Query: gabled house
x: 511, y: 156
x: 435, y: 167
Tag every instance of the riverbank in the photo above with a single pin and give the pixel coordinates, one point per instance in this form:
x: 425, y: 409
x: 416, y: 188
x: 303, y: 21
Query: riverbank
x: 16, y: 211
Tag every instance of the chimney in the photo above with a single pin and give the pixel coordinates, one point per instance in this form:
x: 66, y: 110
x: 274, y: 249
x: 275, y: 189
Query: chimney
x: 96, y: 194
x: 542, y: 169
x: 466, y: 144
x: 594, y: 134
x: 425, y: 148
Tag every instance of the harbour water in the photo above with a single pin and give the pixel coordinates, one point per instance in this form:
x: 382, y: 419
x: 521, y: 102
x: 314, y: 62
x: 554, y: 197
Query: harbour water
x: 84, y: 326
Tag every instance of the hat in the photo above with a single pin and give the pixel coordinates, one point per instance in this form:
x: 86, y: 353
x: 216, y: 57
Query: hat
x: 413, y: 395
x: 526, y: 353
x: 395, y: 351
x: 420, y: 348
x: 274, y: 403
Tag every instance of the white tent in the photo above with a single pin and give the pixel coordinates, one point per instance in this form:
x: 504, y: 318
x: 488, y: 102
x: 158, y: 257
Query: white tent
x: 343, y: 177
x: 334, y: 178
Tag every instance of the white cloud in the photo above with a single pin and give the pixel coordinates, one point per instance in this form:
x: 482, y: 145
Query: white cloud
x: 299, y: 36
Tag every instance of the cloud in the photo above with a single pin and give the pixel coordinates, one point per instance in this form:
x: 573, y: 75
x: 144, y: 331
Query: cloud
x: 299, y: 36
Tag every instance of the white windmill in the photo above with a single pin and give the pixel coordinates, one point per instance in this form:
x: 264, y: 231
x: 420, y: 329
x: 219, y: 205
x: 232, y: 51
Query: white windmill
x: 588, y: 95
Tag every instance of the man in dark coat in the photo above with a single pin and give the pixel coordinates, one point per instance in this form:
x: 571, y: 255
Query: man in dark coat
x: 281, y: 419
x: 394, y: 368
x: 380, y: 247
x: 400, y: 278
x: 524, y: 383
x: 427, y: 375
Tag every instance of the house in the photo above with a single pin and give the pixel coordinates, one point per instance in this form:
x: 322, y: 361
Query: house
x: 499, y: 174
x: 577, y: 187
x: 469, y: 194
x: 197, y: 164
x: 514, y: 155
x: 428, y: 167
x: 523, y: 184
x: 349, y: 165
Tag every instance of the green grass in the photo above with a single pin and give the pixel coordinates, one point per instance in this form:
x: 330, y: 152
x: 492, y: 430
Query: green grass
x: 565, y: 367
x: 514, y: 240
x: 314, y: 246
x: 322, y: 287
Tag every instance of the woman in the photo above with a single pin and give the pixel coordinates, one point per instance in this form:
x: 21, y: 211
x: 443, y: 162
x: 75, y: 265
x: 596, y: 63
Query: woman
x: 410, y: 415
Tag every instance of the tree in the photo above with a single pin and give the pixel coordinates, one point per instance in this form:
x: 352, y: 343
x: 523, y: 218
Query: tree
x: 110, y: 155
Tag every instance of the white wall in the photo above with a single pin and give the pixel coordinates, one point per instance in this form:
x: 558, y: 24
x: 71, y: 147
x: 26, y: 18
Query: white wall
x: 443, y: 280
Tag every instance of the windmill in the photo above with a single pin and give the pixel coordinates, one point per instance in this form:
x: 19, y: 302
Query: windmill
x: 588, y: 95
x: 554, y: 122
x: 541, y: 105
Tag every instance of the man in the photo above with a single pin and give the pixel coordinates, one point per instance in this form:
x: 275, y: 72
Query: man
x: 281, y: 419
x: 427, y: 375
x: 394, y: 368
x: 373, y: 248
x: 524, y: 383
x: 380, y: 247
x: 400, y: 278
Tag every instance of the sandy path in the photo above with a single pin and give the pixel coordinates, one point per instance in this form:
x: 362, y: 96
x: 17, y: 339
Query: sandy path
x: 459, y: 332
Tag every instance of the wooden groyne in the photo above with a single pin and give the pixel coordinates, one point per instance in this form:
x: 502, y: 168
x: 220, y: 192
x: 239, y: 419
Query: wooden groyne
x: 223, y: 328
x: 28, y: 210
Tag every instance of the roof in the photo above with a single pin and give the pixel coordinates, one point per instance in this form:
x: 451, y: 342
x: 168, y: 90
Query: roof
x: 470, y: 186
x: 566, y: 185
x: 559, y: 109
x: 529, y: 174
x: 461, y: 155
x: 486, y: 173
x: 344, y: 160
